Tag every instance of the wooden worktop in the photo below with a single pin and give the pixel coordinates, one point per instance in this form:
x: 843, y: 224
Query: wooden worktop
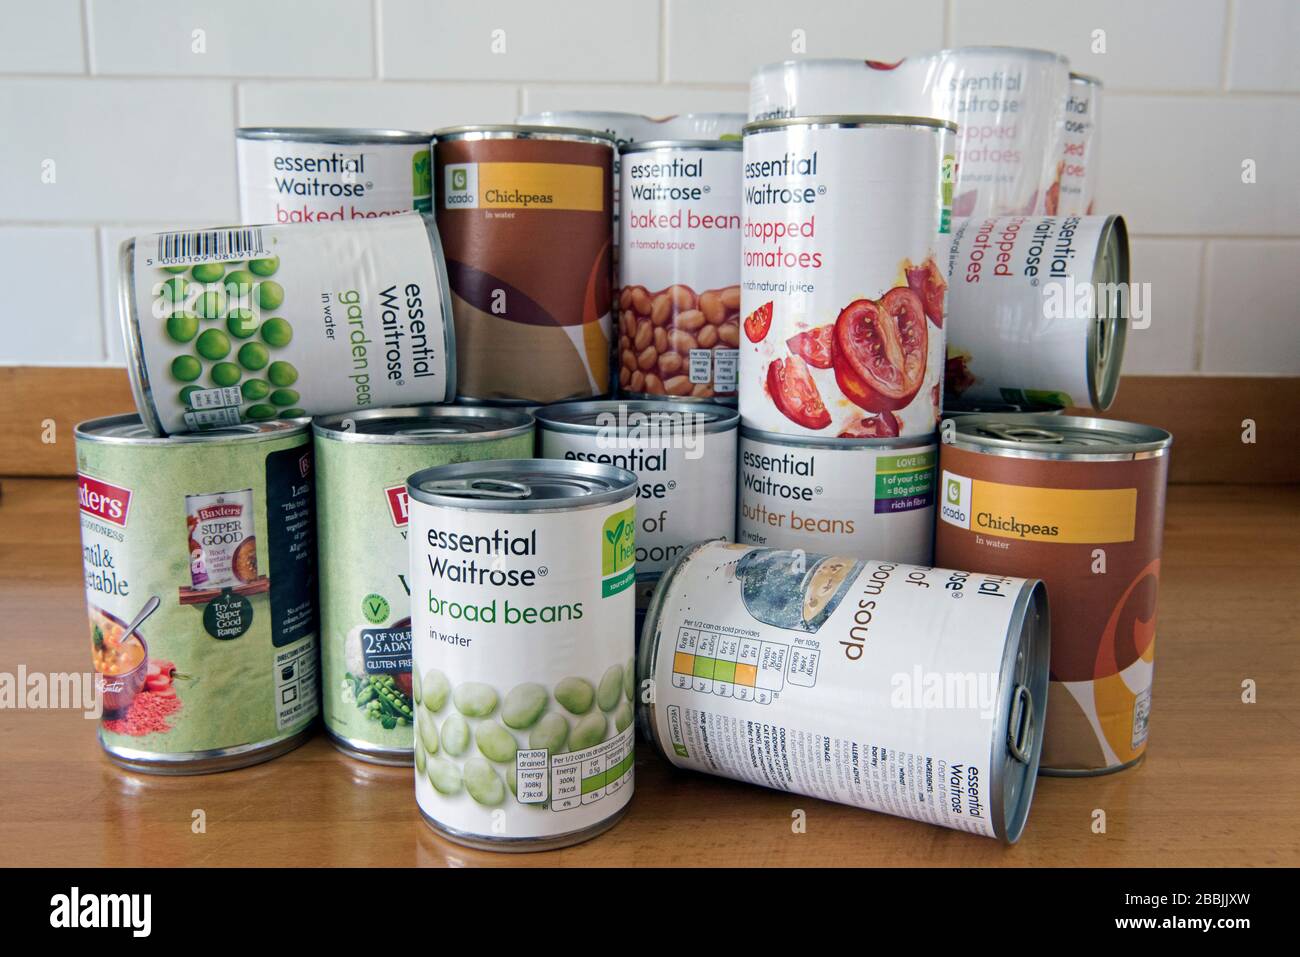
x: 1218, y: 786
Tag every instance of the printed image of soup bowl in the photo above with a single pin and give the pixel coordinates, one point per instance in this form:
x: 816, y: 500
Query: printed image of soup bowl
x: 118, y: 691
x: 794, y: 590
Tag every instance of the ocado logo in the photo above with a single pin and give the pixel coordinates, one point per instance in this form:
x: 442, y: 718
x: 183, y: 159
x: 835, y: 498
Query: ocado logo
x: 954, y: 491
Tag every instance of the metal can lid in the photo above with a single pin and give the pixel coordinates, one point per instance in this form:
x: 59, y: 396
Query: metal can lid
x: 423, y: 425
x: 998, y: 408
x: 1022, y: 435
x: 832, y: 444
x: 1087, y: 78
x: 519, y: 131
x: 521, y: 485
x: 847, y: 121
x: 129, y: 429
x: 624, y: 417
x: 325, y: 134
x: 1108, y: 330
x: 646, y: 146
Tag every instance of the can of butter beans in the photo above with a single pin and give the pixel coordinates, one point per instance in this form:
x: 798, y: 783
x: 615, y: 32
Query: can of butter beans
x: 1037, y: 310
x: 303, y: 174
x: 250, y: 323
x: 679, y: 305
x: 521, y: 624
x: 206, y: 543
x: 1081, y: 503
x: 1078, y: 185
x: 898, y: 688
x: 873, y: 498
x: 841, y: 291
x: 525, y: 216
x: 363, y: 460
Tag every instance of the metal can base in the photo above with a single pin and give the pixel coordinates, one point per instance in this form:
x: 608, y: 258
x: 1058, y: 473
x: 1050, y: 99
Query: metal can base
x: 524, y: 845
x: 363, y: 751
x: 205, y: 762
x: 1090, y: 773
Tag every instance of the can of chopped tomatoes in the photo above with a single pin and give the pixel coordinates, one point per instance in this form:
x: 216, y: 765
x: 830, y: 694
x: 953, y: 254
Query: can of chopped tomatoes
x: 1078, y: 164
x: 842, y: 296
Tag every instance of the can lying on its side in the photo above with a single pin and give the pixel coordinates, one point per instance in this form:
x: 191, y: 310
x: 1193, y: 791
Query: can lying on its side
x: 1079, y: 170
x: 250, y: 323
x: 873, y: 498
x: 1037, y: 310
x: 521, y: 627
x: 363, y: 460
x: 898, y: 688
x: 1079, y: 502
x: 216, y: 531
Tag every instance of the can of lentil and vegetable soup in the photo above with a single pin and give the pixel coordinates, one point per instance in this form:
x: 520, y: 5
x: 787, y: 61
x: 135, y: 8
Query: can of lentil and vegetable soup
x: 870, y: 497
x: 841, y: 292
x: 1078, y: 184
x: 521, y: 624
x: 250, y: 323
x: 305, y: 174
x: 363, y: 459
x: 1037, y: 310
x: 679, y: 305
x: 1080, y: 502
x: 905, y: 689
x: 209, y: 541
x: 525, y: 216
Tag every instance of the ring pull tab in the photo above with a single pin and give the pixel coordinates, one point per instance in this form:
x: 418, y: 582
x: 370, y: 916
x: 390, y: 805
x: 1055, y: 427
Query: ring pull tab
x: 1020, y: 729
x: 1021, y: 433
x: 479, y: 488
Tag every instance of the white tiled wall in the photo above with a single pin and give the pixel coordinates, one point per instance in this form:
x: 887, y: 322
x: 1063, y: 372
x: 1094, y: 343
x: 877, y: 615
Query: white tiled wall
x: 116, y: 118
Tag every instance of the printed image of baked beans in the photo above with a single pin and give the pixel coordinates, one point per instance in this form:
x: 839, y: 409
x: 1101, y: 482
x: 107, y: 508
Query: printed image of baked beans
x: 658, y: 331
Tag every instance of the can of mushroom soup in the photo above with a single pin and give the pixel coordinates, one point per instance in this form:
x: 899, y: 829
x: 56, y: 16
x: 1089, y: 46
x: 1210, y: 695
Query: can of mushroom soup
x: 1078, y: 183
x: 869, y: 497
x: 521, y: 626
x: 364, y: 459
x: 841, y: 292
x: 679, y: 305
x: 209, y: 541
x: 525, y: 216
x: 251, y: 323
x: 898, y: 688
x: 1081, y: 503
x: 1037, y: 310
x: 301, y: 174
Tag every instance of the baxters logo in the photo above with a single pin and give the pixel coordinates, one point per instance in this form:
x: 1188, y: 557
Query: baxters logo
x: 212, y: 513
x: 397, y: 504
x: 102, y: 500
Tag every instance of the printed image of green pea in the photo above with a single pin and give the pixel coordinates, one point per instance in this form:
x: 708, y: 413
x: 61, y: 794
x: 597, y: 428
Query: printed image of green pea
x: 575, y: 694
x: 186, y: 368
x: 226, y: 374
x: 175, y: 270
x: 483, y: 783
x: 474, y: 699
x: 265, y: 266
x: 208, y: 272
x: 182, y: 326
x: 212, y: 344
x: 282, y: 373
x: 588, y: 732
x: 260, y: 412
x: 252, y: 355
x: 454, y: 735
x: 270, y: 295
x: 174, y: 289
x: 210, y: 305
x: 523, y: 705
x: 284, y: 397
x: 277, y: 332
x: 610, y: 689
x: 495, y: 742
x: 428, y: 732
x: 419, y: 758
x: 623, y: 716
x: 629, y: 680
x: 241, y: 323
x: 446, y: 779
x: 293, y: 413
x: 435, y: 687
x: 254, y: 389
x: 186, y: 392
x: 551, y: 733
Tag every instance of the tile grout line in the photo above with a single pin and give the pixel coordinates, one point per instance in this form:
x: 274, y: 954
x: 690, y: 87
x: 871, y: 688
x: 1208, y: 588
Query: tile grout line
x: 1229, y: 35
x: 377, y: 43
x: 87, y: 47
x: 663, y: 41
x: 1202, y: 309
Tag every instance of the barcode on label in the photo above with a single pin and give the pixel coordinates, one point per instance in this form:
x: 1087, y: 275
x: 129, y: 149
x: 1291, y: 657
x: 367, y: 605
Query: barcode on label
x: 208, y: 245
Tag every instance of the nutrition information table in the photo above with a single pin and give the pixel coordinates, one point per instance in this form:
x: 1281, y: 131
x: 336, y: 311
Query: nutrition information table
x: 737, y: 666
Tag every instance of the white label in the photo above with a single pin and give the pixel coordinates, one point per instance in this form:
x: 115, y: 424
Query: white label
x: 295, y: 684
x: 868, y: 683
x: 522, y: 629
x: 1078, y: 177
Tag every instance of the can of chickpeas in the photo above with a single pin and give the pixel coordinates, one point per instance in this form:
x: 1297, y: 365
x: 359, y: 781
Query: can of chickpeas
x: 250, y: 323
x: 679, y: 255
x: 363, y: 460
x: 522, y: 574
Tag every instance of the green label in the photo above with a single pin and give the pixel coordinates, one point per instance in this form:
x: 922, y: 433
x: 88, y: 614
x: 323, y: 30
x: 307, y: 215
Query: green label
x: 375, y: 608
x: 618, y: 552
x: 902, y: 476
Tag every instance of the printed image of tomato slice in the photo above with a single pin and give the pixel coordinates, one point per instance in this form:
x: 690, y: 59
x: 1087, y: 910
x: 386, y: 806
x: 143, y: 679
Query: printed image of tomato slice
x: 882, y: 65
x: 927, y: 282
x: 157, y: 683
x: 795, y: 393
x: 881, y: 350
x: 814, y: 346
x: 957, y: 377
x: 758, y: 322
x: 882, y: 426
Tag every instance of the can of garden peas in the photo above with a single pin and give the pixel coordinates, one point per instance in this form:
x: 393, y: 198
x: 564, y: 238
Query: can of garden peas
x: 523, y: 575
x: 363, y: 460
x: 251, y: 323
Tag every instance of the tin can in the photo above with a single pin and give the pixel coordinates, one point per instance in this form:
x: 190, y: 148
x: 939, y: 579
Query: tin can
x: 250, y: 323
x: 1037, y: 310
x: 952, y: 410
x: 221, y: 673
x: 679, y: 305
x: 1078, y: 184
x: 868, y: 683
x: 873, y: 498
x: 841, y: 290
x: 1080, y: 502
x: 525, y: 214
x: 521, y: 623
x: 303, y: 174
x: 634, y: 127
x: 364, y: 459
x: 684, y: 459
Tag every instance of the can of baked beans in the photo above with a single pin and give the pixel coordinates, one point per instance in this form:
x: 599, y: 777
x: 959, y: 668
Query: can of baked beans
x: 679, y: 304
x: 199, y: 557
x: 1080, y: 503
x: 1078, y: 185
x: 525, y: 218
x: 841, y: 291
x: 903, y: 689
x: 1037, y: 310
x: 869, y: 497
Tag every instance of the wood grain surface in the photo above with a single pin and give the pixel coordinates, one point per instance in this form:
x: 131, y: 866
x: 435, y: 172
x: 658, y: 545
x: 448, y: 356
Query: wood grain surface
x: 1218, y: 786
